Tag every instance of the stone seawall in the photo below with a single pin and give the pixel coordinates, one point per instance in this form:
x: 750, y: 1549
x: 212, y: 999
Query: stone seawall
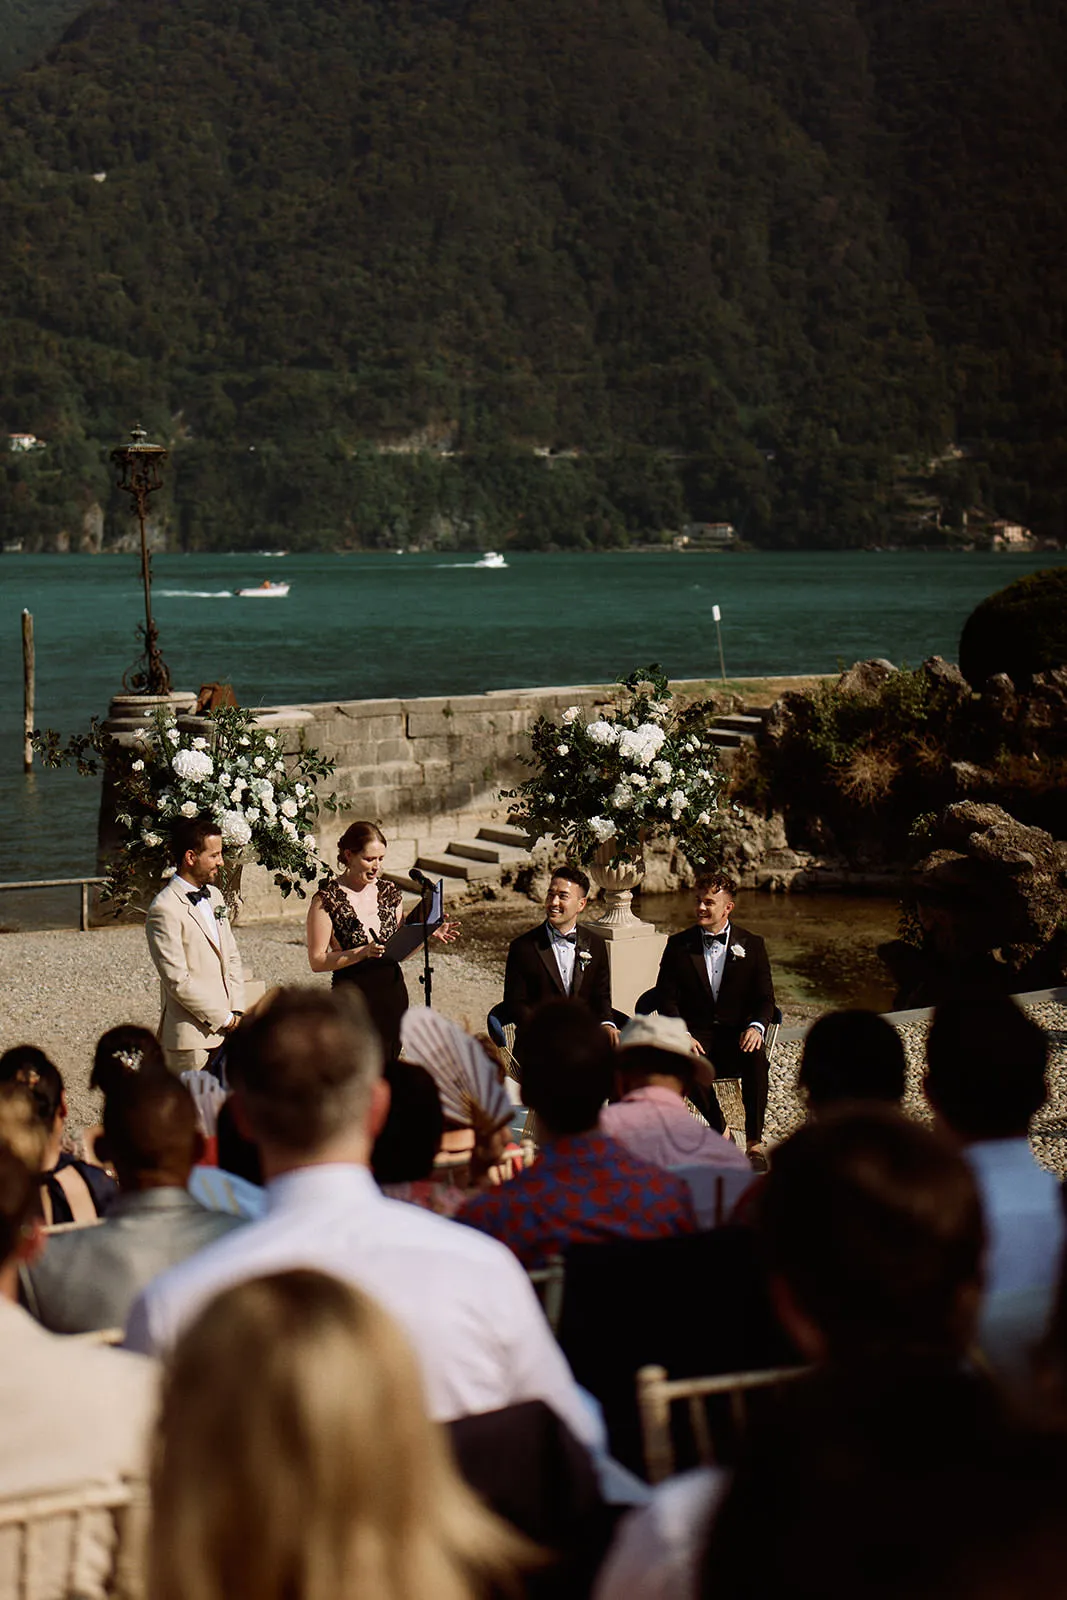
x: 424, y: 769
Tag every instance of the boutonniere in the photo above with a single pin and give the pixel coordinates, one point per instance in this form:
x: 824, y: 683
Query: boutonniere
x: 584, y: 957
x: 221, y: 913
x: 738, y: 950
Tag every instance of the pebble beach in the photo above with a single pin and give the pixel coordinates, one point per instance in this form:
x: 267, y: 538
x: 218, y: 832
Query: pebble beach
x: 61, y: 989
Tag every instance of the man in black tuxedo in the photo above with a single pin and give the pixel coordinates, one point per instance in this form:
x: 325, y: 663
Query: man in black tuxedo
x: 559, y: 958
x: 717, y: 978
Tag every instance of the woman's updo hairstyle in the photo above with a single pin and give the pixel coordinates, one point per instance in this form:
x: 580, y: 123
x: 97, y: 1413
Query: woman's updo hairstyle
x: 122, y: 1053
x: 357, y: 837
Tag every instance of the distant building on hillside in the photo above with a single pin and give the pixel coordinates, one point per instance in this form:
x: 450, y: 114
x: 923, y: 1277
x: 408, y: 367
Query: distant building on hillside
x: 706, y: 536
x: 24, y: 441
x: 1010, y: 535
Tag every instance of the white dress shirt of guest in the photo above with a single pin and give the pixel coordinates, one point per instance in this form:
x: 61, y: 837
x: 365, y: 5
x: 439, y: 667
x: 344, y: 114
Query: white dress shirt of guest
x: 308, y: 1089
x: 985, y: 1080
x: 70, y: 1414
x: 88, y: 1278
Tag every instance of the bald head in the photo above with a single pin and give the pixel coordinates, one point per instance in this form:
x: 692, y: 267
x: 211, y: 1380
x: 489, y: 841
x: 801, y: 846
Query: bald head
x: 151, y: 1134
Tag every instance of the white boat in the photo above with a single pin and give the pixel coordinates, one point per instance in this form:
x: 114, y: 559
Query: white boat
x: 492, y: 558
x: 265, y: 591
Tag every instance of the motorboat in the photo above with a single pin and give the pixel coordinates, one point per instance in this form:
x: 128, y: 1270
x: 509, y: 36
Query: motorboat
x: 492, y: 558
x: 265, y: 591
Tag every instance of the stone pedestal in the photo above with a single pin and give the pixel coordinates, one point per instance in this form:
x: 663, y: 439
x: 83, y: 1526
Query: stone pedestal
x: 633, y: 956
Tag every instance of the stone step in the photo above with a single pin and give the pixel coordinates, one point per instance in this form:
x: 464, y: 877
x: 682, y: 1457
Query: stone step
x: 741, y: 722
x: 726, y: 738
x: 502, y: 833
x: 484, y: 850
x: 448, y: 866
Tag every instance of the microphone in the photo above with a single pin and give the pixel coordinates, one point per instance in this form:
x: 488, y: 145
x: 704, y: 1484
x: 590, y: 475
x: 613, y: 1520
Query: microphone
x: 426, y: 884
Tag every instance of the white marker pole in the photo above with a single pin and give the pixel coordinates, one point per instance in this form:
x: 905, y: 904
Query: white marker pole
x: 716, y: 617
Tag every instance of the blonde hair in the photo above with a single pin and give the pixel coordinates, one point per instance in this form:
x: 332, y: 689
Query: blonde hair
x: 21, y: 1128
x: 295, y: 1461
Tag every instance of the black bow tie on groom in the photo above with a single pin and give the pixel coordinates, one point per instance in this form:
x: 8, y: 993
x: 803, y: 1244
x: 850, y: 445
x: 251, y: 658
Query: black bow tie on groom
x: 715, y: 938
x: 568, y: 938
x: 196, y: 895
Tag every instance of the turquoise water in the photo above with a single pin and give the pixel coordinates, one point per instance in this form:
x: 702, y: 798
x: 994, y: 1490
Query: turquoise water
x: 362, y: 626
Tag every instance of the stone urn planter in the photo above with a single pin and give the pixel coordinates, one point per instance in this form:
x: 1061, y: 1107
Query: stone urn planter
x: 618, y: 884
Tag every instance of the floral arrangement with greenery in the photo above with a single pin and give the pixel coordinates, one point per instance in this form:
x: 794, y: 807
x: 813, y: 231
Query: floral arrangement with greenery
x: 264, y: 801
x: 645, y: 770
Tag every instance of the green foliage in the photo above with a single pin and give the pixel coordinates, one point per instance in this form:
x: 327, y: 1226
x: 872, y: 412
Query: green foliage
x: 642, y: 771
x: 740, y: 259
x: 1020, y: 630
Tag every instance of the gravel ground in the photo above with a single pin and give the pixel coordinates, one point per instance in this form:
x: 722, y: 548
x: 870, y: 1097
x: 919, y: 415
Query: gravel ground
x: 61, y: 990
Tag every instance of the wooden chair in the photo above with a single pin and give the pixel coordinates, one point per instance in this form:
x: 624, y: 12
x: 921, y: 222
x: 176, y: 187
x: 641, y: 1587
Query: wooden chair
x: 99, y: 1336
x: 74, y: 1544
x: 656, y: 1393
x: 549, y: 1281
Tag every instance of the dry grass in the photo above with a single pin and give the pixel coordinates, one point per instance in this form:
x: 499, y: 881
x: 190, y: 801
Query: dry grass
x: 869, y: 776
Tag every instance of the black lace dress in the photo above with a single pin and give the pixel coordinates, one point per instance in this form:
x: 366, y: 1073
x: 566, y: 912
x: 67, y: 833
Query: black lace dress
x: 381, y: 982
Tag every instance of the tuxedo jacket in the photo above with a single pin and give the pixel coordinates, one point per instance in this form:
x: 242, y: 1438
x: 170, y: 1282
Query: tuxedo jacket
x: 746, y: 993
x: 531, y: 975
x: 200, y: 977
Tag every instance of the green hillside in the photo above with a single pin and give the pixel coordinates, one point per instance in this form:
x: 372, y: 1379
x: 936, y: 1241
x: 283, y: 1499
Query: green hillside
x: 740, y: 261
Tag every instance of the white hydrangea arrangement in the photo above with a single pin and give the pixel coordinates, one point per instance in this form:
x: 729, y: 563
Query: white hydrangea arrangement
x: 642, y: 771
x: 265, y: 802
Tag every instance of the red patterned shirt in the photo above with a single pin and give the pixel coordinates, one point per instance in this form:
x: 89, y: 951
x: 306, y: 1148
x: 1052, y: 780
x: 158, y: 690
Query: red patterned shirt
x: 583, y: 1189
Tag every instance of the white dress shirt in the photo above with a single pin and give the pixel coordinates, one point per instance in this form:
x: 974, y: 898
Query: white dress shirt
x: 657, y: 1550
x: 462, y: 1298
x: 715, y: 957
x: 565, y: 951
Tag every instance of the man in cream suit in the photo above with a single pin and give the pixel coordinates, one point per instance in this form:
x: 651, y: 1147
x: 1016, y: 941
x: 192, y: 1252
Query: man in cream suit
x: 192, y: 945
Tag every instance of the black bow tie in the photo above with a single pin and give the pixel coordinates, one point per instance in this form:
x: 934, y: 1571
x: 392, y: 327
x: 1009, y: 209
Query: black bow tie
x: 196, y: 895
x: 568, y: 938
x: 715, y: 938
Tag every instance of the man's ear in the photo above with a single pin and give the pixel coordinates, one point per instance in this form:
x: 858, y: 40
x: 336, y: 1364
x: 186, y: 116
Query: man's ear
x: 380, y: 1099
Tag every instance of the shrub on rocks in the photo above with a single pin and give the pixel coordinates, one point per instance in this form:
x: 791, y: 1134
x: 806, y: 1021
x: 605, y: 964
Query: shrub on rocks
x: 1020, y: 630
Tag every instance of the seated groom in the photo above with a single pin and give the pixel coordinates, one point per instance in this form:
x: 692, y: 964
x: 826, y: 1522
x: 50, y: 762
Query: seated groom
x: 717, y: 978
x: 558, y: 959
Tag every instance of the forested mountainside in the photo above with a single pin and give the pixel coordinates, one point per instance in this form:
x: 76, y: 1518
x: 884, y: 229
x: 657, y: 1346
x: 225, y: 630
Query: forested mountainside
x: 738, y: 261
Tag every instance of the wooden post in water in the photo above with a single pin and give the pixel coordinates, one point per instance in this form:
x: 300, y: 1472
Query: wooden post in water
x: 29, y: 690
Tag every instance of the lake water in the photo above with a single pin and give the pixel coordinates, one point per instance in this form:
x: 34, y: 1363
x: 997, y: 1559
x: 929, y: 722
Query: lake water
x: 361, y: 626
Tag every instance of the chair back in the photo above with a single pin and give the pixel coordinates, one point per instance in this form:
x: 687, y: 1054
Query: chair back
x: 656, y: 1393
x: 693, y: 1304
x: 548, y: 1281
x: 81, y: 1543
x: 715, y: 1191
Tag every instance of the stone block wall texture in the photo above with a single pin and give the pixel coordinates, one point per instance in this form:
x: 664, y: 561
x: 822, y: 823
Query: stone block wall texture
x: 425, y: 770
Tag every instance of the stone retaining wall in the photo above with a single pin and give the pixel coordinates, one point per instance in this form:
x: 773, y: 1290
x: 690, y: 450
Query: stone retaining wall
x: 426, y: 770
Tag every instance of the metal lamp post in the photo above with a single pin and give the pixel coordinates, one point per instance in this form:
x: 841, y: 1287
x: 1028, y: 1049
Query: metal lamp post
x: 140, y: 473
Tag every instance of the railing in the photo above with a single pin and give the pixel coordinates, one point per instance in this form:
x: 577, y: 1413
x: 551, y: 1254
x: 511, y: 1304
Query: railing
x: 84, y: 884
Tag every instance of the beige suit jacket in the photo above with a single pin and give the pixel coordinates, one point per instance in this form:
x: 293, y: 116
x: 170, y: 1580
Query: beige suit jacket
x: 200, y: 977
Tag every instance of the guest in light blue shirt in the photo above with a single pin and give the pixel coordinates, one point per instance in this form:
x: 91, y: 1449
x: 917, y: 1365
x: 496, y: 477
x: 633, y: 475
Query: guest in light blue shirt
x: 986, y: 1063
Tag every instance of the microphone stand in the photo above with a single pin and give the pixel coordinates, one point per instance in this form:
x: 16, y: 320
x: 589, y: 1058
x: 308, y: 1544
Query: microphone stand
x: 426, y: 890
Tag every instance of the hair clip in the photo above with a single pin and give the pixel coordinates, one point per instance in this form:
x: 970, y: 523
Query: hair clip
x: 29, y: 1077
x: 128, y: 1060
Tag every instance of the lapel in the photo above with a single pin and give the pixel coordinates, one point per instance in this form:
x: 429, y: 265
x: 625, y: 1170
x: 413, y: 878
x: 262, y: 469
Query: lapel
x: 198, y: 921
x: 580, y: 967
x: 544, y: 950
x: 731, y: 972
x: 696, y: 955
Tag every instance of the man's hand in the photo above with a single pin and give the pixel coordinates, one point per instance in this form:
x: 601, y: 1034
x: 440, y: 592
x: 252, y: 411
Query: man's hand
x: 695, y: 1046
x: 751, y: 1040
x: 612, y: 1031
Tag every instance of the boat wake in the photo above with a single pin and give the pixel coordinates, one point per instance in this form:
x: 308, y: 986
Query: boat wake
x: 196, y: 594
x: 490, y: 560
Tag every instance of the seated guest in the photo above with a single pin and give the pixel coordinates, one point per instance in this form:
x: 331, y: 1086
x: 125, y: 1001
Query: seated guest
x: 985, y: 1081
x: 654, y: 1071
x: 584, y: 1187
x: 307, y: 1079
x: 71, y: 1190
x: 88, y: 1278
x: 405, y: 1150
x: 123, y: 1052
x: 873, y: 1235
x: 335, y: 1500
x: 70, y: 1414
x: 558, y: 958
x: 474, y: 1102
x: 717, y: 978
x: 848, y: 1056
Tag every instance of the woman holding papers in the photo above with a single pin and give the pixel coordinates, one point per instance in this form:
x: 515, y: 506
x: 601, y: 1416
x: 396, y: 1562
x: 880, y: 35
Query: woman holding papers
x: 351, y: 919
